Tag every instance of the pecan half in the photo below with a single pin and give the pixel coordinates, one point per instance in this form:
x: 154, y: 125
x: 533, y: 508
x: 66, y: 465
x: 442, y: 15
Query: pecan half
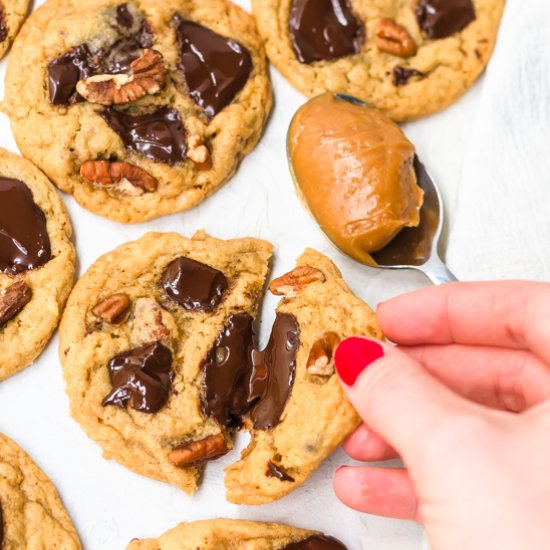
x: 292, y: 283
x: 152, y: 323
x: 147, y: 76
x: 105, y: 173
x: 195, y: 452
x: 394, y: 39
x: 114, y: 309
x: 13, y: 299
x: 198, y: 152
x: 320, y: 361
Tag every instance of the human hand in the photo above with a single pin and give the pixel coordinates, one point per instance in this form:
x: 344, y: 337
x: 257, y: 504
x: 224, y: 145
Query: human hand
x: 464, y: 400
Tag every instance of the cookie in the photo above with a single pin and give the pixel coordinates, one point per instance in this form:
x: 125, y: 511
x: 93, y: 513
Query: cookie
x: 32, y: 516
x: 134, y: 335
x: 408, y: 58
x: 158, y: 351
x: 138, y: 109
x: 12, y: 14
x: 36, y: 262
x: 316, y: 417
x: 216, y: 534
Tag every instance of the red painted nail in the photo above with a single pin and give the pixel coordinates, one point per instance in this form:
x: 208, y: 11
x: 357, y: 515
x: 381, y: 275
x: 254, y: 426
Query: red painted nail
x: 354, y: 355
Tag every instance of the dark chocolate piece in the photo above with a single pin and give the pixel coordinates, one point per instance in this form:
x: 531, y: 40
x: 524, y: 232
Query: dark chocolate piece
x: 316, y: 542
x: 273, y: 372
x: 124, y: 18
x: 3, y: 33
x: 119, y: 56
x: 273, y: 470
x: 159, y: 135
x: 215, y: 68
x: 401, y: 75
x: 24, y: 240
x: 241, y: 381
x: 193, y: 285
x: 13, y: 299
x: 443, y: 18
x: 227, y: 371
x: 322, y: 30
x: 65, y: 72
x: 80, y: 63
x: 141, y: 378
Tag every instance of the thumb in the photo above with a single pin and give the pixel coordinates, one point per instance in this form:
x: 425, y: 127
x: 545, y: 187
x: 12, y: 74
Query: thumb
x: 395, y: 395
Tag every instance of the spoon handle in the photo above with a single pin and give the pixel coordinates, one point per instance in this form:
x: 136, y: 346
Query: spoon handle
x: 438, y: 272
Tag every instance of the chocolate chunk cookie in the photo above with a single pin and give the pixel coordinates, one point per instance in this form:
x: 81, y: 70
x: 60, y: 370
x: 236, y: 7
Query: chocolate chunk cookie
x: 134, y: 338
x: 226, y: 533
x: 36, y: 262
x: 12, y: 15
x: 158, y: 350
x: 138, y: 108
x: 408, y: 58
x: 304, y: 414
x: 32, y: 516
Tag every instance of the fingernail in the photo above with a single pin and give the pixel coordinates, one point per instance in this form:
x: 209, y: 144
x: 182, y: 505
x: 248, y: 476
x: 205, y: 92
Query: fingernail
x: 353, y: 356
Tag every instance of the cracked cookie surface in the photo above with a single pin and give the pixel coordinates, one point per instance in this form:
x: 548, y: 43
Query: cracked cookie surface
x: 142, y: 432
x: 404, y: 80
x: 133, y: 71
x: 159, y: 356
x: 12, y: 15
x: 36, y: 262
x: 32, y: 516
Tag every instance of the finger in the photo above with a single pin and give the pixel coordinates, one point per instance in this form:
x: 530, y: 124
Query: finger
x: 366, y: 445
x: 510, y: 380
x: 396, y: 396
x: 509, y: 314
x: 379, y: 491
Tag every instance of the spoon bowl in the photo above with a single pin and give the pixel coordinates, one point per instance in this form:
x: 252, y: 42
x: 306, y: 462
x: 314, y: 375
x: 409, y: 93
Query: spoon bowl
x: 414, y: 247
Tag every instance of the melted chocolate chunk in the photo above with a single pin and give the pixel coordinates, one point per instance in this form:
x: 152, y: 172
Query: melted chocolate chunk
x: 141, y: 378
x: 227, y: 371
x: 277, y: 471
x: 316, y: 542
x: 65, y: 72
x: 215, y: 68
x: 324, y: 30
x: 193, y: 285
x: 124, y: 18
x: 159, y: 135
x: 273, y: 372
x: 24, y: 240
x: 241, y: 381
x: 80, y: 63
x: 401, y: 75
x: 3, y: 36
x: 443, y: 18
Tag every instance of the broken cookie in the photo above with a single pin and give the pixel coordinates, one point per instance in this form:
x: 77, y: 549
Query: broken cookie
x: 162, y: 365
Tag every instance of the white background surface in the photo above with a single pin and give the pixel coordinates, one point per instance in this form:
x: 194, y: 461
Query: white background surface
x: 490, y: 154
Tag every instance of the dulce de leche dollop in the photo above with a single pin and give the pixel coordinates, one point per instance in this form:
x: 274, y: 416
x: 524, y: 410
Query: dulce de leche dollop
x: 354, y: 169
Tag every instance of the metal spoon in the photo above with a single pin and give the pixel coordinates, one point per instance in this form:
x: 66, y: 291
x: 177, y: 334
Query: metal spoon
x: 414, y: 247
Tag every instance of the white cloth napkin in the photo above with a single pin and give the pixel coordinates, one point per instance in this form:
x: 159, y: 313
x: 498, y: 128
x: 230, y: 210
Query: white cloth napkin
x: 500, y: 224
